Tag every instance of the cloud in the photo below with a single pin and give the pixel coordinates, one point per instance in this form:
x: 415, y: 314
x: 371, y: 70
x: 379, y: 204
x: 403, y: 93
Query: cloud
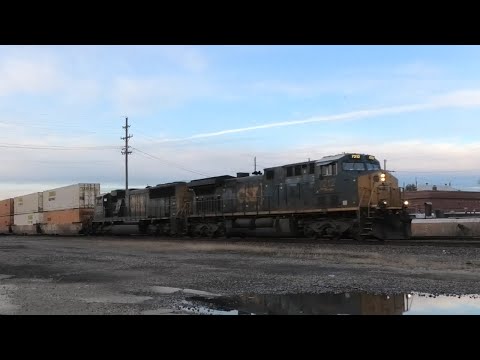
x: 418, y: 69
x: 291, y: 89
x: 29, y: 76
x: 418, y: 77
x: 459, y: 98
x: 188, y: 57
x: 24, y: 72
x: 142, y: 95
x: 82, y: 91
x: 343, y: 86
x: 52, y: 168
x: 416, y: 155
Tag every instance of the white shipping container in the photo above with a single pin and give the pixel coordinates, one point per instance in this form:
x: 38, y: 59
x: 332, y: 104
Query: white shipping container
x: 77, y: 196
x: 28, y: 204
x: 28, y: 219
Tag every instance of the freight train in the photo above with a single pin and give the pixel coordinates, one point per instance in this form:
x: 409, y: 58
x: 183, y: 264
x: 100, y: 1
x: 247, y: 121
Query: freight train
x: 345, y: 195
x: 61, y: 211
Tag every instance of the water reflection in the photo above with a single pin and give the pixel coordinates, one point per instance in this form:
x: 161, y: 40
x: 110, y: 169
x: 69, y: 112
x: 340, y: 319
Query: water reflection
x: 339, y: 304
x: 424, y: 304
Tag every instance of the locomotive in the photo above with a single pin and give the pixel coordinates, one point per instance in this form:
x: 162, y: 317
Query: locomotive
x: 341, y: 196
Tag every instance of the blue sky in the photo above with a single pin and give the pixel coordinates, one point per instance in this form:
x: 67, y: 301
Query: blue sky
x: 208, y: 110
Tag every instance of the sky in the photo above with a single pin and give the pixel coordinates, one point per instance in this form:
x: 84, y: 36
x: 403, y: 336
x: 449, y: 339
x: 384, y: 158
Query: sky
x: 199, y: 111
x: 426, y: 304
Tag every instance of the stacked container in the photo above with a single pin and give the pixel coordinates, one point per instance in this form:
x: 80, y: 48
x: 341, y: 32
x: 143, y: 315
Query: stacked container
x: 6, y: 216
x: 27, y: 213
x: 67, y: 210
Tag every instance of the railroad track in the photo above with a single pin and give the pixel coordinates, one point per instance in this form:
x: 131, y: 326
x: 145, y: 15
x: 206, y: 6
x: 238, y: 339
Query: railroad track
x: 432, y: 241
x: 463, y: 242
x: 424, y: 241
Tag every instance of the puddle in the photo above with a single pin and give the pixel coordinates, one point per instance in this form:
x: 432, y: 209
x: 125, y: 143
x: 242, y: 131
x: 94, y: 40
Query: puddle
x: 3, y: 276
x: 161, y: 312
x: 335, y: 304
x: 198, y: 292
x: 165, y: 290
x: 118, y: 299
x: 204, y: 310
x: 422, y: 304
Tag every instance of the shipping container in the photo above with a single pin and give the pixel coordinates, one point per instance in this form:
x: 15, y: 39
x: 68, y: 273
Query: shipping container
x: 28, y: 204
x: 69, y: 216
x: 26, y: 229
x: 77, y: 196
x: 62, y: 229
x: 6, y: 220
x: 6, y: 207
x: 28, y: 219
x: 5, y: 224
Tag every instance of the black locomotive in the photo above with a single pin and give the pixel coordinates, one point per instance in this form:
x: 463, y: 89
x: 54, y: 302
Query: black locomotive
x: 340, y: 196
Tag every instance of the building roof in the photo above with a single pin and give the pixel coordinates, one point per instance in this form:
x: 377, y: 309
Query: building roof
x: 434, y: 187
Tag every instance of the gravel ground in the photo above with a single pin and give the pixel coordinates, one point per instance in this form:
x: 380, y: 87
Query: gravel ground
x: 99, y: 275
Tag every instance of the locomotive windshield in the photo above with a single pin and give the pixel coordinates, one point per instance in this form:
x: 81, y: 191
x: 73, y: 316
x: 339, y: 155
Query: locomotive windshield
x: 349, y: 166
x: 358, y: 162
x: 359, y: 166
x: 373, y: 166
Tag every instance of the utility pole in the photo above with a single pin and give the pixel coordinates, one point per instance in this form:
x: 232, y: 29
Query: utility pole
x: 126, y: 152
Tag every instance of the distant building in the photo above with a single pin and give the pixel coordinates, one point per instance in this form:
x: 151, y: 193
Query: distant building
x: 428, y: 187
x: 443, y: 198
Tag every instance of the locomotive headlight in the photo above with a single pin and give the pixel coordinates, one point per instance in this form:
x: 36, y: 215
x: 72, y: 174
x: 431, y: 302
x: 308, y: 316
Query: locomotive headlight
x: 384, y: 202
x: 405, y: 203
x: 382, y: 177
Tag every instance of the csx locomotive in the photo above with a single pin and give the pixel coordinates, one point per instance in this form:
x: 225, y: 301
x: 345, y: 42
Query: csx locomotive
x: 340, y: 196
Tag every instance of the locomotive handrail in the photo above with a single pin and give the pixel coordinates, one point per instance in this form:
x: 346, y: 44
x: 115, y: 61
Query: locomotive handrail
x: 375, y: 186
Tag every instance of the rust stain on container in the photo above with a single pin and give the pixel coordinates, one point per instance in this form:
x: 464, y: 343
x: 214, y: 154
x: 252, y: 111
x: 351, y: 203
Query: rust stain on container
x: 5, y: 224
x: 6, y: 207
x: 69, y: 216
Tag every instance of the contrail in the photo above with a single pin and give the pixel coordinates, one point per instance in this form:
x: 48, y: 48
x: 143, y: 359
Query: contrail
x: 464, y: 98
x: 345, y: 116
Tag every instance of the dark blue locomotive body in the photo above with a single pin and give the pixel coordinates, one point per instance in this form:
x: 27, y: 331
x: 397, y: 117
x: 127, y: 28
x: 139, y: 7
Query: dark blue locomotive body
x: 341, y: 195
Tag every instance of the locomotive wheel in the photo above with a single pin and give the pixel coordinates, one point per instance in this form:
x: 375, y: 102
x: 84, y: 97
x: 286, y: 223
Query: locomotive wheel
x: 220, y: 231
x: 355, y: 233
x: 329, y: 231
x: 206, y: 231
x: 309, y: 233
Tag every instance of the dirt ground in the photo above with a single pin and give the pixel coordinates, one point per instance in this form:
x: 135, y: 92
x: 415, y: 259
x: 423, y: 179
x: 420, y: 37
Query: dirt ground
x: 99, y: 275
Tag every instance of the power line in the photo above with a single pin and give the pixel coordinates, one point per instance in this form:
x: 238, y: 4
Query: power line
x: 56, y: 147
x: 169, y: 162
